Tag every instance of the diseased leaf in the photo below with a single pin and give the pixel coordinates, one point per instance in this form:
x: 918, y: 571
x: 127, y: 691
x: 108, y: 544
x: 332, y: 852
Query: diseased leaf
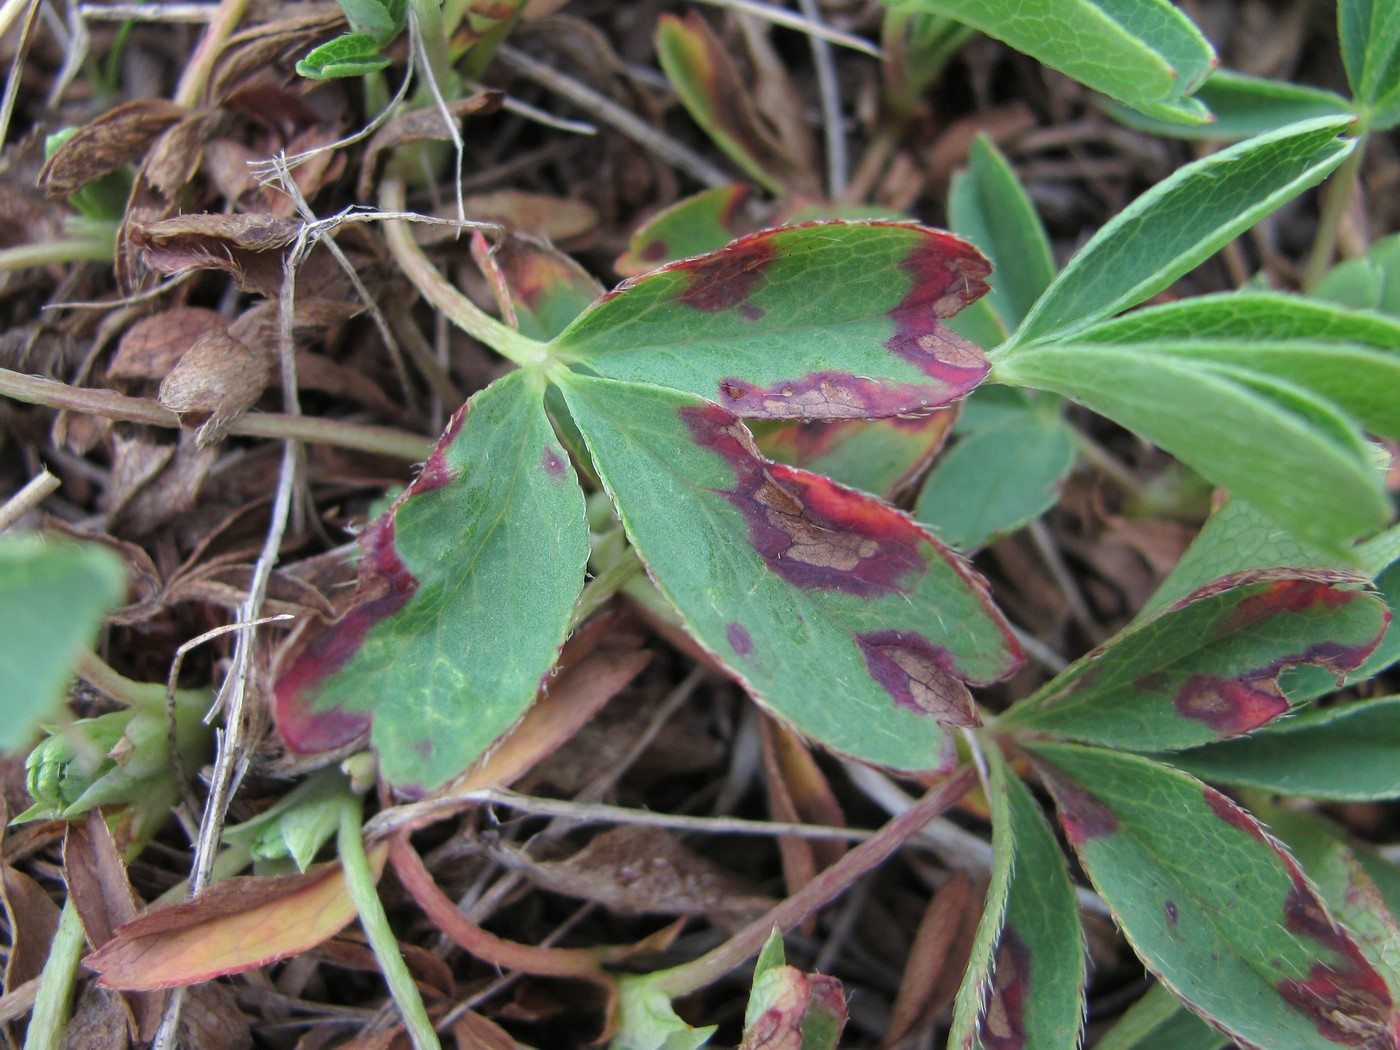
x: 988, y: 205
x: 235, y: 925
x: 1242, y: 106
x: 835, y: 610
x: 53, y: 596
x: 1320, y: 847
x: 1291, y: 455
x: 1145, y: 53
x: 1036, y: 981
x: 996, y: 479
x: 1237, y: 538
x: 701, y: 69
x: 468, y: 585
x: 694, y: 225
x: 546, y: 287
x: 1206, y: 668
x: 789, y: 1009
x: 877, y: 455
x: 1214, y: 906
x: 1181, y: 222
x: 830, y: 320
x: 1346, y: 752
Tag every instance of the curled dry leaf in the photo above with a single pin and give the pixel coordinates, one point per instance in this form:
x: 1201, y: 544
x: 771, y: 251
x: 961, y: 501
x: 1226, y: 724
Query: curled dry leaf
x: 246, y: 247
x: 152, y: 347
x: 120, y: 136
x: 218, y: 379
x: 419, y: 125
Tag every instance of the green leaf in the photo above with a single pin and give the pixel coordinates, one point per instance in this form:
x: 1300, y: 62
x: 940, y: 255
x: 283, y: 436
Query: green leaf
x: 835, y: 610
x: 1213, y: 906
x: 877, y: 455
x: 694, y: 225
x: 469, y: 585
x: 1341, y: 753
x: 1181, y: 222
x: 916, y: 47
x: 348, y: 55
x: 1237, y: 538
x: 1145, y: 53
x: 1290, y: 455
x: 381, y: 19
x: 1159, y: 1021
x: 833, y: 320
x: 1361, y: 381
x: 646, y: 1020
x: 53, y: 596
x: 996, y: 479
x: 1242, y: 106
x: 1355, y: 899
x: 1207, y: 667
x: 1251, y: 317
x: 1370, y: 38
x: 1371, y: 282
x: 988, y: 205
x: 1037, y: 979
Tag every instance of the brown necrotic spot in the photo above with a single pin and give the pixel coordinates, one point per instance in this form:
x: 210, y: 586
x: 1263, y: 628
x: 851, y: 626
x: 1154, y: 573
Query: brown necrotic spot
x: 726, y: 278
x: 946, y: 274
x: 1232, y: 814
x: 1083, y: 816
x: 918, y: 675
x: 1231, y: 706
x: 810, y: 531
x: 824, y: 395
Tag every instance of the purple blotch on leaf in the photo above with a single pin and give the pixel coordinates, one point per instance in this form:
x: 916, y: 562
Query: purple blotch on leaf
x: 739, y: 639
x: 552, y: 463
x: 918, y: 675
x: 1172, y: 911
x: 1002, y: 1025
x: 1231, y: 706
x: 1082, y: 815
x: 724, y: 279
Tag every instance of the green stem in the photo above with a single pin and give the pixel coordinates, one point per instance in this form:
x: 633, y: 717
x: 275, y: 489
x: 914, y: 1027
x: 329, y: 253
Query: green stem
x: 1336, y: 198
x: 55, y: 998
x: 435, y: 288
x: 870, y: 854
x: 109, y: 404
x: 57, y: 253
x: 360, y: 882
x: 434, y: 36
x: 93, y: 670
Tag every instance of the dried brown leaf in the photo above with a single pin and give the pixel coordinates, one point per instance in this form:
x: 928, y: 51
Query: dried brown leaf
x: 177, y: 154
x: 646, y: 870
x: 557, y: 219
x: 247, y: 247
x: 153, y: 346
x: 938, y: 952
x: 32, y: 918
x: 474, y: 1032
x: 120, y: 136
x: 419, y: 125
x: 217, y: 380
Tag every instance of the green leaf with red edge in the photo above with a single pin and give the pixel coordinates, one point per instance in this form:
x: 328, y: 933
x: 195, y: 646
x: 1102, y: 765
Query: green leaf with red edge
x: 469, y: 583
x: 1322, y: 849
x: 1213, y: 906
x: 1031, y: 921
x: 881, y: 456
x: 835, y: 610
x: 828, y: 320
x: 774, y: 150
x: 703, y: 222
x: 1206, y: 668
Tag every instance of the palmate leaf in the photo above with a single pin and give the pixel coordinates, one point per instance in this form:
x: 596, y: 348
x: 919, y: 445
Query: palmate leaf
x: 874, y: 455
x: 1214, y: 906
x: 827, y: 320
x: 1207, y: 667
x: 835, y: 610
x: 469, y: 583
x: 1024, y: 985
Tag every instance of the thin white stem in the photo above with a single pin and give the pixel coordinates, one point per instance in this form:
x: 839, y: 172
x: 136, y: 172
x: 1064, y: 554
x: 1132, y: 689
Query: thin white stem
x: 35, y: 491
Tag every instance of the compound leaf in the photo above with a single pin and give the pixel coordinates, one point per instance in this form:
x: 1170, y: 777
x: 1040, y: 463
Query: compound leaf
x: 1214, y: 906
x: 470, y: 582
x: 826, y: 320
x: 835, y: 610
